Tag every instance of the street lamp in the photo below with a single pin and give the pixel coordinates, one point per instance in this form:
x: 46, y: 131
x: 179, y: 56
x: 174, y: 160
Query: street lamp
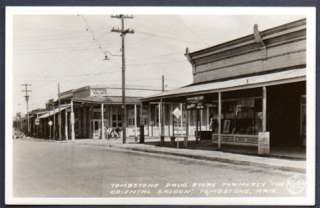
x: 106, y: 57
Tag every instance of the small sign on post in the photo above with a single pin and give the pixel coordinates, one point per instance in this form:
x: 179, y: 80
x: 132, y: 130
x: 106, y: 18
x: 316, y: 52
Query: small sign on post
x: 177, y: 113
x: 264, y: 143
x: 37, y: 121
x: 50, y: 123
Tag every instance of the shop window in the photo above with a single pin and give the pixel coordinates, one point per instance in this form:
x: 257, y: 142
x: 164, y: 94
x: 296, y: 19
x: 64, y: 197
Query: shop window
x: 241, y: 116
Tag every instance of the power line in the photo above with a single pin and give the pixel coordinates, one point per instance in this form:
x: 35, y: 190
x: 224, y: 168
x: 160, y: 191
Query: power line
x: 167, y: 37
x: 94, y: 38
x: 196, y: 35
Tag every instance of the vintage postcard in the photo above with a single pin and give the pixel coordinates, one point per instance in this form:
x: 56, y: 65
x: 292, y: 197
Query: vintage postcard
x: 160, y: 105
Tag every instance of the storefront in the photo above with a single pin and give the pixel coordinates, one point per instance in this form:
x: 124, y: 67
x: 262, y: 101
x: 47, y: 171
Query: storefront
x: 89, y: 112
x: 249, y: 91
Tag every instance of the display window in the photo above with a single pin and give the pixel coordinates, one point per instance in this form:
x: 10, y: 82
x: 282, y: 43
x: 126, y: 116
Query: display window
x: 241, y: 116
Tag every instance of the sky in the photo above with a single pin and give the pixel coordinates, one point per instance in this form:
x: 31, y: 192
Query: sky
x: 70, y: 49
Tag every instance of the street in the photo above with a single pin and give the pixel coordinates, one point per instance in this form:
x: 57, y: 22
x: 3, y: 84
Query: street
x: 61, y: 169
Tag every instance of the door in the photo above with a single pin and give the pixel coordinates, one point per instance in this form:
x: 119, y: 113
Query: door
x: 95, y: 129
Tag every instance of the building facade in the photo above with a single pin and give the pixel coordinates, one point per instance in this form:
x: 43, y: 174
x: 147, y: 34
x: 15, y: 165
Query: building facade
x: 87, y: 112
x: 249, y: 91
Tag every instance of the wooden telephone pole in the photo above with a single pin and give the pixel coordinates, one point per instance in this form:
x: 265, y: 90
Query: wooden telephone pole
x: 27, y: 96
x: 123, y: 33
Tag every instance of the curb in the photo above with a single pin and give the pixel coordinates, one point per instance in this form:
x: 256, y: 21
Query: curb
x: 212, y: 158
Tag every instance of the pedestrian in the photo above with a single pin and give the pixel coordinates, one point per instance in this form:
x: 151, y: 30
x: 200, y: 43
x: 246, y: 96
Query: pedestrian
x: 212, y: 123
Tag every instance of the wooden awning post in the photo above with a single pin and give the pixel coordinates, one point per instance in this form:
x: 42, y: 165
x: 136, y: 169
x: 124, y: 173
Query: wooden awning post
x: 181, y: 121
x: 159, y: 115
x: 172, y: 119
x: 163, y: 112
x: 187, y: 123
x: 54, y: 123
x: 201, y: 118
x: 264, y: 108
x: 135, y: 120
x: 66, y: 124
x: 197, y: 124
x: 102, y: 122
x: 207, y: 118
x: 161, y: 121
x: 149, y: 119
x: 219, y: 120
x: 72, y: 122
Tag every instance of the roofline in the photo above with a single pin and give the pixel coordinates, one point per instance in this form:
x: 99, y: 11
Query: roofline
x: 250, y: 37
x: 184, y: 94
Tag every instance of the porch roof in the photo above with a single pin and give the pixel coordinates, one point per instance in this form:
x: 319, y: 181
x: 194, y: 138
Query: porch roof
x: 293, y: 75
x: 54, y: 111
x: 108, y: 100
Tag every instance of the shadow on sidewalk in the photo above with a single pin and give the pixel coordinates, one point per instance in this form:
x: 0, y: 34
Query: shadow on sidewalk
x: 294, y: 153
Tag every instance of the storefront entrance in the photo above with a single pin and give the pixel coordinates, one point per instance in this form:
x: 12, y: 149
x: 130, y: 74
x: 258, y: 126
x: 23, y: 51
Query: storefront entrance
x: 286, y: 114
x: 95, y: 128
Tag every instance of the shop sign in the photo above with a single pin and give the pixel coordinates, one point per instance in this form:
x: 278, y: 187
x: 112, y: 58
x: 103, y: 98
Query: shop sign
x: 200, y: 106
x: 37, y: 121
x: 195, y: 106
x: 191, y: 106
x: 264, y: 143
x: 99, y: 92
x: 179, y: 131
x: 177, y: 112
x: 196, y: 99
x: 210, y: 105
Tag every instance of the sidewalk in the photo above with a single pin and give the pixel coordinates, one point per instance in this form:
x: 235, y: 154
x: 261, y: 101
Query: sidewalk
x: 211, y: 155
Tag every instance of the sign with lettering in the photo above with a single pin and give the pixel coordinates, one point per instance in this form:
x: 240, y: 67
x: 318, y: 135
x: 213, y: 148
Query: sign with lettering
x: 263, y: 143
x: 98, y: 92
x: 199, y: 106
x: 179, y: 131
x: 196, y: 99
x: 191, y: 106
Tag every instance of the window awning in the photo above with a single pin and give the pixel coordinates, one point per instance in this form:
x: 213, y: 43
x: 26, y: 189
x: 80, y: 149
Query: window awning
x: 52, y: 112
x: 288, y: 76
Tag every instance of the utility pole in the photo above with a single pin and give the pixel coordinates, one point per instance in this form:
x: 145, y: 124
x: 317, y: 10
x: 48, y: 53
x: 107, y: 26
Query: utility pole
x: 27, y: 96
x: 162, y: 88
x: 59, y: 116
x: 123, y: 33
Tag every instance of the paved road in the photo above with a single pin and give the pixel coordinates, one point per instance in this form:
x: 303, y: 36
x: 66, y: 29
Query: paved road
x: 56, y: 169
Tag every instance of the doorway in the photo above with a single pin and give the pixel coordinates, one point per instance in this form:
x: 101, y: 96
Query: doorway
x: 95, y: 125
x: 286, y: 114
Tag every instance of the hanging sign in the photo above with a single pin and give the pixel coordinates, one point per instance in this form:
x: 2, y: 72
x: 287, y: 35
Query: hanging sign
x: 199, y: 106
x: 37, y: 121
x: 210, y: 105
x: 191, y: 106
x: 196, y: 99
x: 177, y: 112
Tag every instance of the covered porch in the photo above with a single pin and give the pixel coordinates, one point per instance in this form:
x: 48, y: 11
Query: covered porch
x: 101, y: 117
x: 242, y: 113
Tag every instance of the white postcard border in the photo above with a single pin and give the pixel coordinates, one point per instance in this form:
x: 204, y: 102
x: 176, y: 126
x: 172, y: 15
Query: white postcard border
x: 309, y: 12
